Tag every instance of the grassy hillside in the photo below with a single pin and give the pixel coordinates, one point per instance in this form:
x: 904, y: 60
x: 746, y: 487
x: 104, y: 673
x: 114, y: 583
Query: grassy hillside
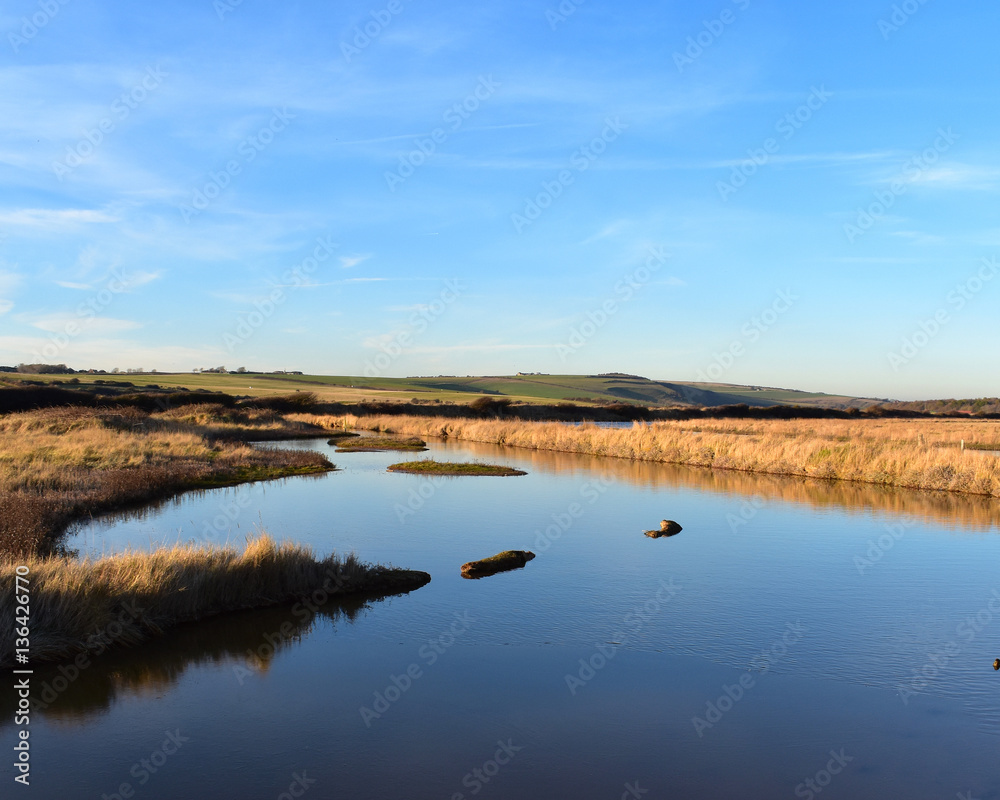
x: 773, y: 396
x: 580, y: 389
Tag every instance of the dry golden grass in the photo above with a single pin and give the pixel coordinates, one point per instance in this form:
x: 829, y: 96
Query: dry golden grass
x: 917, y: 454
x: 133, y: 596
x: 60, y: 464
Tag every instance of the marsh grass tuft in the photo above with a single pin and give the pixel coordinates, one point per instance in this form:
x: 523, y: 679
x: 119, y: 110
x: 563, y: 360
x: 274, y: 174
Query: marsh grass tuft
x: 912, y: 454
x: 139, y: 595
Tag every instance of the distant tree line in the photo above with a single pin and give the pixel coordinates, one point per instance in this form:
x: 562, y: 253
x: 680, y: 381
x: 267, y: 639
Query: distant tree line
x: 979, y: 406
x: 62, y: 369
x: 42, y: 369
x: 244, y: 371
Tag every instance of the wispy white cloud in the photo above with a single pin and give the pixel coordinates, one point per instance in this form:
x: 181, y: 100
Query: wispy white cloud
x: 88, y: 257
x: 9, y: 281
x: 409, y: 137
x: 918, y: 237
x: 868, y: 260
x: 959, y: 176
x: 479, y: 348
x: 609, y: 230
x: 93, y: 326
x: 239, y: 298
x: 106, y: 353
x: 346, y: 262
x: 54, y: 218
x: 126, y: 281
x: 309, y: 284
x: 814, y: 159
x: 133, y: 279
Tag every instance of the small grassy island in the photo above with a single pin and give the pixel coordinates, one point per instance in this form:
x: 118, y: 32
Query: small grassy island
x: 338, y: 438
x: 376, y: 443
x: 431, y: 467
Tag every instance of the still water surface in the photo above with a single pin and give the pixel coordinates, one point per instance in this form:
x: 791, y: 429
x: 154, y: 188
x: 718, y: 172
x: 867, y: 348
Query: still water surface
x: 797, y: 639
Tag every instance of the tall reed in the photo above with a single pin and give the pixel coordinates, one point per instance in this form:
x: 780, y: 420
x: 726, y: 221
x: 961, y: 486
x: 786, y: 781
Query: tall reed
x: 917, y: 454
x: 129, y: 597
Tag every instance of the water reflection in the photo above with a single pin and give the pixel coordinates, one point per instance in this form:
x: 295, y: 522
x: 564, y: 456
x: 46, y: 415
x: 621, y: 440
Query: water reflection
x: 248, y: 640
x: 951, y: 509
x: 851, y: 635
x: 225, y: 517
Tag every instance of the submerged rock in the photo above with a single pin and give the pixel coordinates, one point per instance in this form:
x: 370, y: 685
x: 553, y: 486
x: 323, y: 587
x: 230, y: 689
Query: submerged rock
x: 667, y: 528
x: 508, y: 559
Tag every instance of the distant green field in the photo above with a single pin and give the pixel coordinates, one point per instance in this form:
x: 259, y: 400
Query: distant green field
x: 581, y: 389
x: 787, y: 396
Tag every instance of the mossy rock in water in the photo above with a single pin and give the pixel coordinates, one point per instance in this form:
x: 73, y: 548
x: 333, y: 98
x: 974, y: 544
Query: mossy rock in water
x: 501, y: 562
x: 387, y: 580
x: 667, y: 528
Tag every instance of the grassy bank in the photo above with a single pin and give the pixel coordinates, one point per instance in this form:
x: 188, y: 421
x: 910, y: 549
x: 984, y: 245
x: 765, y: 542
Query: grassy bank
x: 62, y: 464
x: 916, y: 454
x: 129, y: 598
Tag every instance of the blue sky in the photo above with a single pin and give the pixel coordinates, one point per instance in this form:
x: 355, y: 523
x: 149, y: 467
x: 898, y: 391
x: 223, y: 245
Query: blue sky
x: 775, y: 193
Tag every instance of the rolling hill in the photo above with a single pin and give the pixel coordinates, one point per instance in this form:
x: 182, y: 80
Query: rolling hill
x: 531, y: 388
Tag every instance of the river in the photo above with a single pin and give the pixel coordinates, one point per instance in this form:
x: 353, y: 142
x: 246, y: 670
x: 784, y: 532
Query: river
x: 797, y: 639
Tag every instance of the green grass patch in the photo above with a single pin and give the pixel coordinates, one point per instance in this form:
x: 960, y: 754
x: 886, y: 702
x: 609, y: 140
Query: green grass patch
x: 337, y: 438
x: 261, y: 473
x: 374, y: 443
x: 431, y: 467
